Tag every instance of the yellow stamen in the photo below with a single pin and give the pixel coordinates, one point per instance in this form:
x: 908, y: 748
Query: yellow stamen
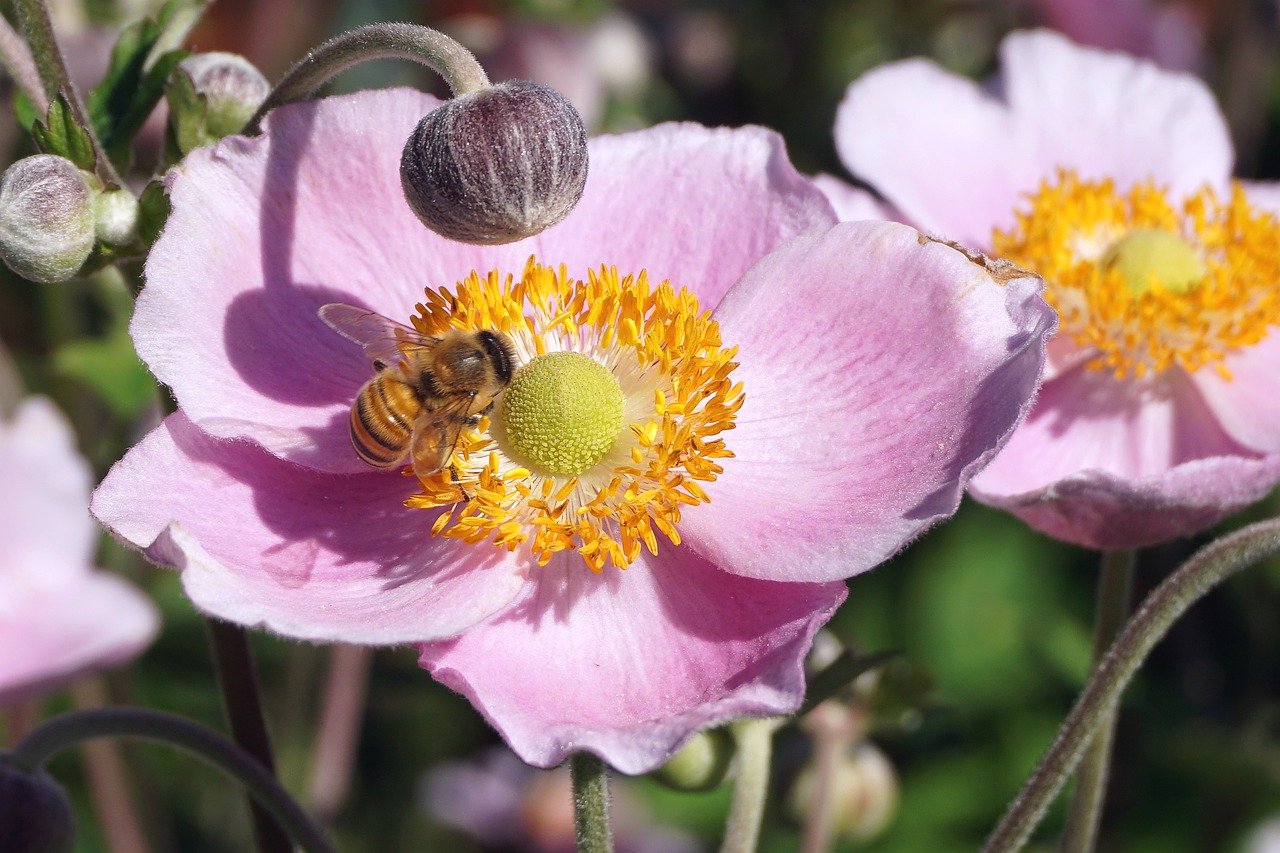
x: 665, y: 354
x: 1146, y: 285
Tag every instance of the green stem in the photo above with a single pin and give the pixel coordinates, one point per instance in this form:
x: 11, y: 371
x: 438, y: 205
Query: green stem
x: 242, y: 701
x: 754, y: 740
x: 1085, y: 813
x: 33, y: 17
x: 591, y: 803
x: 436, y: 50
x: 72, y: 728
x: 17, y: 60
x: 1209, y: 567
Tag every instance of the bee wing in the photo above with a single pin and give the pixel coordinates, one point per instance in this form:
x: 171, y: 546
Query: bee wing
x: 382, y: 339
x: 436, y: 432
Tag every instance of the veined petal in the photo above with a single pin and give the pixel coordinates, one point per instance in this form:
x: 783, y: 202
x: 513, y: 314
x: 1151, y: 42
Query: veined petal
x: 1248, y: 404
x: 881, y: 370
x: 317, y: 556
x: 626, y: 664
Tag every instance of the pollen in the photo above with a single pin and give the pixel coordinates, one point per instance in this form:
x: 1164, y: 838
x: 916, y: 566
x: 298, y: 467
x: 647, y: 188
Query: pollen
x: 1146, y: 283
x: 613, y: 419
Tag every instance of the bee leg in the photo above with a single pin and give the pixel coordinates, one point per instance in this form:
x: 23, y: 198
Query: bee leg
x: 379, y: 365
x: 456, y: 479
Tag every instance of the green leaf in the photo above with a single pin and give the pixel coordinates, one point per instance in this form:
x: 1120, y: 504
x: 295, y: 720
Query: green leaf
x: 59, y: 134
x: 153, y: 211
x: 25, y: 111
x: 110, y: 367
x: 134, y: 82
x: 188, y: 113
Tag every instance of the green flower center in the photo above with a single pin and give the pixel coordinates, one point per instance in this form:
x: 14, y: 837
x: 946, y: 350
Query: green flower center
x: 1147, y: 256
x: 561, y: 413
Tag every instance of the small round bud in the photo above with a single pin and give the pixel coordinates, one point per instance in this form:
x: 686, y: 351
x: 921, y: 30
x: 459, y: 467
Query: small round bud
x: 232, y: 87
x: 497, y: 165
x: 700, y: 765
x: 116, y: 217
x: 46, y: 218
x: 35, y: 814
x: 864, y: 791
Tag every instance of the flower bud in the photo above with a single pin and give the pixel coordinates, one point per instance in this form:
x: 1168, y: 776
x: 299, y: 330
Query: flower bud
x: 497, y: 165
x: 35, y: 814
x: 232, y: 88
x: 46, y: 218
x: 116, y: 217
x: 700, y: 765
x: 864, y: 793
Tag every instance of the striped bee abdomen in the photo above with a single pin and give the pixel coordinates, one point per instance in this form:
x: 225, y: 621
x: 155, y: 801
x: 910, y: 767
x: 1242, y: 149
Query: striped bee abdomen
x: 382, y: 420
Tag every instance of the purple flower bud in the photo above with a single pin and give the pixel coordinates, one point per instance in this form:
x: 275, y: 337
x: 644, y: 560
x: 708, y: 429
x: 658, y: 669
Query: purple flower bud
x: 497, y: 165
x: 35, y: 815
x: 46, y: 218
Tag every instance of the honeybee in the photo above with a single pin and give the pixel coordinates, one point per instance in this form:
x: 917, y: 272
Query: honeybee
x: 425, y: 389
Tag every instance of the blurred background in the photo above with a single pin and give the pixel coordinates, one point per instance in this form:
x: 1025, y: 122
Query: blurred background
x: 992, y: 621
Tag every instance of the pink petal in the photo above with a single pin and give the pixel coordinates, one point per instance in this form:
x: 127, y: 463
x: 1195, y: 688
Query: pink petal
x: 880, y: 371
x: 310, y: 555
x: 947, y: 154
x: 852, y: 204
x: 51, y: 635
x: 1109, y: 114
x: 1114, y: 464
x: 691, y: 204
x: 1264, y: 195
x: 1248, y: 404
x: 266, y: 230
x: 957, y: 160
x: 45, y: 529
x: 628, y: 664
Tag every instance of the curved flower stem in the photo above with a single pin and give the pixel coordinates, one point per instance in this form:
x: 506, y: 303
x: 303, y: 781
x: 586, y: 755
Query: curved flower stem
x: 591, y: 803
x: 754, y: 740
x: 72, y: 728
x: 238, y: 683
x: 1085, y: 813
x: 338, y: 732
x: 17, y: 60
x: 420, y: 44
x: 1210, y: 566
x: 834, y: 729
x: 33, y: 17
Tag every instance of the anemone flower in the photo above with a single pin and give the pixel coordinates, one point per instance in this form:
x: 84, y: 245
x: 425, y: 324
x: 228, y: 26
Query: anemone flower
x: 59, y: 619
x: 1160, y: 412
x: 724, y: 403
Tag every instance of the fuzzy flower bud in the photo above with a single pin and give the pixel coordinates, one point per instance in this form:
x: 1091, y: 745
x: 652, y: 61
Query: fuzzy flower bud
x: 46, y: 218
x: 699, y: 765
x: 35, y: 815
x: 496, y: 165
x: 231, y: 86
x: 116, y: 217
x: 864, y: 792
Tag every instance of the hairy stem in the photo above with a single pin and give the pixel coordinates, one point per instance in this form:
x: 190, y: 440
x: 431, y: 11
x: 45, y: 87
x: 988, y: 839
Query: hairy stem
x: 591, y: 803
x: 1085, y: 813
x: 33, y: 17
x: 419, y: 44
x: 73, y: 728
x: 242, y: 701
x: 754, y: 740
x: 1209, y: 567
x: 338, y: 731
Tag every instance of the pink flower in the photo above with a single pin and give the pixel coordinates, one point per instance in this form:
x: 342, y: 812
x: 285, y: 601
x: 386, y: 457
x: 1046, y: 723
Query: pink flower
x: 879, y: 371
x: 1167, y: 33
x: 59, y: 619
x: 1160, y: 412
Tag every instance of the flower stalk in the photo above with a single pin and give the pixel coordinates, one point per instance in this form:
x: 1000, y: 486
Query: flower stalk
x: 33, y: 17
x: 1085, y: 813
x: 419, y: 44
x: 754, y: 739
x: 1209, y: 567
x: 242, y: 701
x: 591, y: 803
x: 75, y: 727
x: 17, y: 60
